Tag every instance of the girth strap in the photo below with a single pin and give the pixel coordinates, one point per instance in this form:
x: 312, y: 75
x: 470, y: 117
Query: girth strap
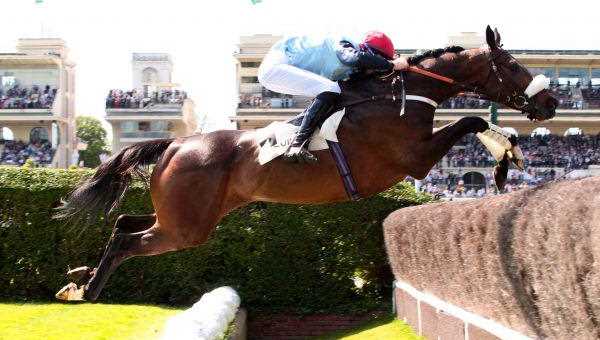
x: 422, y: 99
x: 389, y: 97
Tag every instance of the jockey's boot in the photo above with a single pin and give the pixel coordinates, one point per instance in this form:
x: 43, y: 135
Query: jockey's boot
x: 315, y: 114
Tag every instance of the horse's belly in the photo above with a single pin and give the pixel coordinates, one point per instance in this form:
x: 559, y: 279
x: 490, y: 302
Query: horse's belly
x: 320, y: 183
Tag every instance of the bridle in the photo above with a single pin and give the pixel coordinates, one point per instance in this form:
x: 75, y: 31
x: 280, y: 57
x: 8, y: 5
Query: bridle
x: 518, y: 99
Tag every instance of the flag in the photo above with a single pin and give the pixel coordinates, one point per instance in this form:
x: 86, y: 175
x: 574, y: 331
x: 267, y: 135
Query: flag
x: 254, y: 2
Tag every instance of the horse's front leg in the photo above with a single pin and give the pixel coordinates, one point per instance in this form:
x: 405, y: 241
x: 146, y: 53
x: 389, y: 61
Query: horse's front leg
x: 432, y: 149
x: 436, y: 147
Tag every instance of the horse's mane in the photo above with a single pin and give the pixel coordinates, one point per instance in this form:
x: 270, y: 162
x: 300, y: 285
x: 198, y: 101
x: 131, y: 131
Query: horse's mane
x: 357, y: 80
x: 417, y: 58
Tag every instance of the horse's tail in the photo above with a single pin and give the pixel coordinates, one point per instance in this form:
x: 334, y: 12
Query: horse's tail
x: 105, y: 189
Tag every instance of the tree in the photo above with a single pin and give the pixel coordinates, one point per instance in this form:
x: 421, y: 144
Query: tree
x: 91, y: 132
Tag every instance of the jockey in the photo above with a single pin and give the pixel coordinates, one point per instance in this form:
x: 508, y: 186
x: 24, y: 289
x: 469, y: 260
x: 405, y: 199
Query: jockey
x: 312, y: 66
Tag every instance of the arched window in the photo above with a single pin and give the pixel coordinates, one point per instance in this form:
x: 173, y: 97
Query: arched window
x: 38, y: 134
x: 55, y: 135
x: 572, y: 131
x: 511, y: 130
x: 474, y: 180
x: 541, y: 131
x: 149, y: 75
x: 6, y: 134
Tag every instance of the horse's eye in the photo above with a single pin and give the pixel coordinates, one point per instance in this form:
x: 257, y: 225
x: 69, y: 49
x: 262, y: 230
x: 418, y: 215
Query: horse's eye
x: 514, y: 67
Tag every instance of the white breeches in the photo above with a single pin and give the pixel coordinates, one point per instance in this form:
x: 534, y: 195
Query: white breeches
x: 277, y: 75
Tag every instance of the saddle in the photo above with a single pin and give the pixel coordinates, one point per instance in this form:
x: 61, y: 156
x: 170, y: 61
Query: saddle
x: 274, y: 140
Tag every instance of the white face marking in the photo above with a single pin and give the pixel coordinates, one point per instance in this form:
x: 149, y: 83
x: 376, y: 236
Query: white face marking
x: 537, y: 84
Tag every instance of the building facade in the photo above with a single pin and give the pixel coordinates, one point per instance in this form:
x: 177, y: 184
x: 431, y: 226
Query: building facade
x: 575, y: 77
x: 37, y: 103
x: 153, y: 108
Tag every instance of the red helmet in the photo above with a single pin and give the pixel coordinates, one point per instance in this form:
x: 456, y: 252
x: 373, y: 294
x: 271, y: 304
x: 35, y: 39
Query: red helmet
x: 380, y: 42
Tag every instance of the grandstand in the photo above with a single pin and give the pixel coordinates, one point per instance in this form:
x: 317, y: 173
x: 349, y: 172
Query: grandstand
x: 153, y: 107
x: 564, y: 145
x: 37, y: 104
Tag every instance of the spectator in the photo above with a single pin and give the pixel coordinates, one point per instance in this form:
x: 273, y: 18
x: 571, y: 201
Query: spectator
x: 17, y: 152
x: 17, y: 97
x: 134, y: 99
x: 570, y: 152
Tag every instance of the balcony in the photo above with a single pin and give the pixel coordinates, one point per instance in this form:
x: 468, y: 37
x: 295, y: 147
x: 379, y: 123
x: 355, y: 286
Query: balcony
x: 250, y: 88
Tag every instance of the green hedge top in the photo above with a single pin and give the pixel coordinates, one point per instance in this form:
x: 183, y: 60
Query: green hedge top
x: 41, y: 178
x: 303, y: 258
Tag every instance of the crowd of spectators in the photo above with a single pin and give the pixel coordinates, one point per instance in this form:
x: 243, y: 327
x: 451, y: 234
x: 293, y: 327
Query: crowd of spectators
x: 448, y: 184
x: 465, y: 102
x: 570, y: 97
x: 17, y: 97
x: 253, y: 101
x: 136, y: 99
x: 544, y: 156
x: 16, y: 152
x: 265, y: 102
x: 570, y: 152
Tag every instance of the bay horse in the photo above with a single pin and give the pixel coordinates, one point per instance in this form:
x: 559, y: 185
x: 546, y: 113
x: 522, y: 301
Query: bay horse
x: 199, y: 179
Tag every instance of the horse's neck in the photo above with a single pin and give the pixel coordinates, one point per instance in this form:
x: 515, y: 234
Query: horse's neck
x: 465, y: 68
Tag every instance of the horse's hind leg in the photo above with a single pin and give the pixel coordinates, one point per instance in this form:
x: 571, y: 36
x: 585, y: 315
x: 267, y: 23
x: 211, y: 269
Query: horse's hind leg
x: 122, y: 246
x: 124, y: 224
x: 134, y: 223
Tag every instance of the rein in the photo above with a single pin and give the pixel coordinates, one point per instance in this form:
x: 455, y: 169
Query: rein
x: 431, y: 74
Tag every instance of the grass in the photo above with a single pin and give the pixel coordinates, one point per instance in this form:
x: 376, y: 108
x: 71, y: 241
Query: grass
x: 54, y: 321
x: 81, y: 321
x: 381, y: 329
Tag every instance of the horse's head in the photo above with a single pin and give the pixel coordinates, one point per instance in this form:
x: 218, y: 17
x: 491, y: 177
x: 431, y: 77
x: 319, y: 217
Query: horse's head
x: 510, y: 83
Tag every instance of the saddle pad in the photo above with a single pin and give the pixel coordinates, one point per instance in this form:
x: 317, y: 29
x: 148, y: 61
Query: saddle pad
x: 275, y: 138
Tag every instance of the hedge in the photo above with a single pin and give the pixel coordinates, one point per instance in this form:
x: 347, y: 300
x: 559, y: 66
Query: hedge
x: 279, y: 257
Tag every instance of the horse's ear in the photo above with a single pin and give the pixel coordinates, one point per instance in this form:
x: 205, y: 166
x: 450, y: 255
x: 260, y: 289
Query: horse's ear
x: 490, y: 38
x: 497, y: 34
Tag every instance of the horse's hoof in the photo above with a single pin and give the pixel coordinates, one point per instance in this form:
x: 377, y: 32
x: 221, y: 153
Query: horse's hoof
x: 516, y: 157
x: 81, y: 275
x: 70, y: 292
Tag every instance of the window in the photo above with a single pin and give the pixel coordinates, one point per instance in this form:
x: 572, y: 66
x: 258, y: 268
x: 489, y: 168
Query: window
x: 249, y: 80
x: 149, y: 75
x: 251, y: 64
x: 144, y: 126
x: 129, y: 126
x: 8, y: 81
x: 161, y: 125
x: 595, y: 80
x: 572, y: 76
x: 549, y: 72
x: 6, y: 134
x: 573, y: 131
x: 38, y: 134
x: 541, y: 131
x: 510, y: 130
